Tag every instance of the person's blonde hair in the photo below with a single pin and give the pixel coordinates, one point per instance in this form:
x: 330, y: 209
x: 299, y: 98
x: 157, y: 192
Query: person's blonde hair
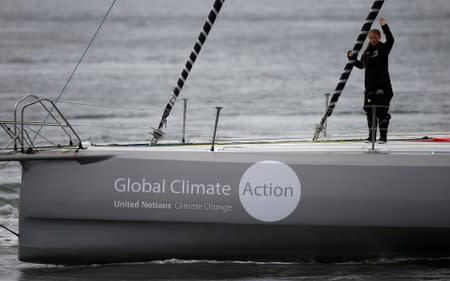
x: 375, y: 31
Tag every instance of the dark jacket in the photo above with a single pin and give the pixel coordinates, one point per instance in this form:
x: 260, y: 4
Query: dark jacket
x: 375, y: 62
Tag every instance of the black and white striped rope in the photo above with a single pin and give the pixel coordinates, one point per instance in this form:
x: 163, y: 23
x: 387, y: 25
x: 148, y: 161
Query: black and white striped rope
x: 376, y: 7
x: 157, y: 133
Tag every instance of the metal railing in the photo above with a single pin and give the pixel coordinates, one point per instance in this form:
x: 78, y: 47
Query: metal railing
x: 20, y: 135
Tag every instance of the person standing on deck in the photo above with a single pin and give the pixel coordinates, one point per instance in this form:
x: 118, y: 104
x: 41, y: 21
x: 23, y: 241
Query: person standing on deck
x: 378, y: 88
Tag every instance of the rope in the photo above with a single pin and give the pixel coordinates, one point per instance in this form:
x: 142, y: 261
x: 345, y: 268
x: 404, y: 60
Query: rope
x: 157, y: 133
x: 38, y: 134
x: 13, y: 232
x: 121, y: 125
x: 376, y: 7
x: 76, y: 67
x: 109, y: 106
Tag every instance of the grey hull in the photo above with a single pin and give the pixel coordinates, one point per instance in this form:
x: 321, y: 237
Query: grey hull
x: 87, y: 242
x: 128, y: 205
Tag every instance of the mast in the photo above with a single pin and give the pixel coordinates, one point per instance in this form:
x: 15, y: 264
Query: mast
x: 157, y: 133
x: 376, y: 7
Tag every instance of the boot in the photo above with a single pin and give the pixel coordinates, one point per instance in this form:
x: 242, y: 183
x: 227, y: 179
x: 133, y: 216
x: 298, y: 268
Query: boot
x: 383, y: 136
x: 384, y: 129
x: 369, y: 138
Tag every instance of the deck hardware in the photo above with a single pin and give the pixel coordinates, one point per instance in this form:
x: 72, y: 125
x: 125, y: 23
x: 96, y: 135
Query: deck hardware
x: 218, y: 108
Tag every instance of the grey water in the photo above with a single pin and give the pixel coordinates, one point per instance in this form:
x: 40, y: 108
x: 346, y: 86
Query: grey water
x: 268, y: 63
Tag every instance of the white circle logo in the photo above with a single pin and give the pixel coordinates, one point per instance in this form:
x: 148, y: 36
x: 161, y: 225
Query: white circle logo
x: 269, y: 191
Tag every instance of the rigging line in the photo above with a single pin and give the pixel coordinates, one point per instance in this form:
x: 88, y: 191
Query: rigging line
x: 213, y: 14
x: 76, y: 66
x: 376, y: 7
x: 13, y: 232
x: 121, y: 125
x: 120, y: 107
x: 108, y: 106
x: 38, y: 134
x: 112, y: 106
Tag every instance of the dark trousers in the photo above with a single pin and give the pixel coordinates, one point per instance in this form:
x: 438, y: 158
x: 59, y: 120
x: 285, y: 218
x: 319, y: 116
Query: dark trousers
x: 380, y: 99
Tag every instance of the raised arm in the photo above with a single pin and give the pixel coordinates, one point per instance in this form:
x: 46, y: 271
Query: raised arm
x: 387, y: 32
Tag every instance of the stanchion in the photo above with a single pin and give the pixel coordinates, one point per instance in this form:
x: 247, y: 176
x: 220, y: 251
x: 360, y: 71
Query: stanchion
x: 218, y: 108
x: 183, y: 137
x: 374, y: 126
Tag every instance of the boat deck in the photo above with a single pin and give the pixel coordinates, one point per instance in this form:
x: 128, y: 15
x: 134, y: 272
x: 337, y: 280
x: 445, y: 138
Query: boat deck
x: 435, y: 145
x: 399, y: 145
